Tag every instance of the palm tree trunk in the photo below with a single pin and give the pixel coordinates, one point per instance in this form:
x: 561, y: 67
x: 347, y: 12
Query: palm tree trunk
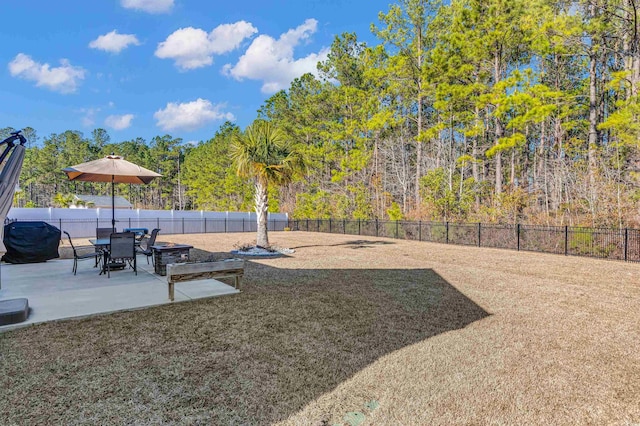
x: 262, y: 204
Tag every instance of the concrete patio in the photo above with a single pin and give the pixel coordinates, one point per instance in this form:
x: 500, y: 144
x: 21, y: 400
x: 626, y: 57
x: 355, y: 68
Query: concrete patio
x: 54, y: 293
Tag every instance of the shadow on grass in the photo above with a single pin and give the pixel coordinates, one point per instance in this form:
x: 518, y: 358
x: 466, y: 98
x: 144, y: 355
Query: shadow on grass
x: 353, y: 244
x: 254, y: 358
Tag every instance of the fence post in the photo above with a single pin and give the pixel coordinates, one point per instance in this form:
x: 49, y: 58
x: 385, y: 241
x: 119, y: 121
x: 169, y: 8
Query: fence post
x: 329, y: 225
x: 479, y: 234
x: 447, y: 233
x: 566, y: 240
x: 377, y: 232
x: 243, y: 224
x: 183, y: 225
x: 518, y: 235
x: 358, y: 226
x: 129, y: 222
x: 397, y: 235
x: 344, y: 226
x: 158, y: 222
x: 225, y: 225
x: 205, y: 225
x: 626, y: 243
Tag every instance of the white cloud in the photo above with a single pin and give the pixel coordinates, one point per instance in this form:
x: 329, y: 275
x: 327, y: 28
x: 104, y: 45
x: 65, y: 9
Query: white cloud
x: 119, y: 122
x: 192, y: 48
x: 149, y: 6
x: 63, y: 79
x: 272, y: 60
x: 114, y: 42
x: 89, y: 117
x: 190, y: 115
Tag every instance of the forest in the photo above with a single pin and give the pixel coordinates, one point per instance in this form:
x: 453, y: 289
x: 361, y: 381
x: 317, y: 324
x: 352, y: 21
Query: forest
x: 499, y: 111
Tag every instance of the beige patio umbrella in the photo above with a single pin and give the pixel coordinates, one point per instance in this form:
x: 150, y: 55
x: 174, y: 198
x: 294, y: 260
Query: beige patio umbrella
x: 114, y: 169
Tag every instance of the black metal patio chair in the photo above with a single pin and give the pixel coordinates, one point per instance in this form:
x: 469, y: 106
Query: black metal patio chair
x: 122, y: 251
x: 147, y: 249
x: 95, y: 255
x: 104, y: 233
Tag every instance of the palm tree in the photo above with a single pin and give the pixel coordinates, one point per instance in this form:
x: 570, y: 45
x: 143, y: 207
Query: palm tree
x: 62, y: 200
x: 264, y: 154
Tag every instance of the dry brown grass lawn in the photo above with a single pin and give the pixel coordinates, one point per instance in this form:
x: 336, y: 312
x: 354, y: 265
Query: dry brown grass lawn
x: 400, y: 332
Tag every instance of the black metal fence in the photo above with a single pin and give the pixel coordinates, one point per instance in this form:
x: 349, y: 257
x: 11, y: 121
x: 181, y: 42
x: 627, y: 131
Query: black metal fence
x: 613, y: 244
x: 603, y: 243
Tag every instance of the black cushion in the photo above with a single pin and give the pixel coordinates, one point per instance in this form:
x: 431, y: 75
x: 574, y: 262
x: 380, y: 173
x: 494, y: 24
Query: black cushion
x: 13, y: 311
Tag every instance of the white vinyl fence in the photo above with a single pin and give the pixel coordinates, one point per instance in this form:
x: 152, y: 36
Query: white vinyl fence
x: 82, y: 223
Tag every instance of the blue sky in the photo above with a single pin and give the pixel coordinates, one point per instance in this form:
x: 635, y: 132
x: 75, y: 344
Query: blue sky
x: 141, y: 68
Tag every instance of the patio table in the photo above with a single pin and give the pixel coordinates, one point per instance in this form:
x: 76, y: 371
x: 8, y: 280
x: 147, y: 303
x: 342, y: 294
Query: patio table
x: 104, y: 244
x: 101, y: 244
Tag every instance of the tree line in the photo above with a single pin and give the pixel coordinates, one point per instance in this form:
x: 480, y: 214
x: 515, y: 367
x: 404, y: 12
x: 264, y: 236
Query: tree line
x: 43, y: 184
x: 467, y: 110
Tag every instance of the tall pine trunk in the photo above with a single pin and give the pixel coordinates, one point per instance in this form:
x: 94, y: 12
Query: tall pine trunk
x: 418, y: 155
x: 418, y: 139
x: 474, y: 154
x: 631, y: 48
x: 592, y: 139
x: 498, y: 123
x: 593, y: 118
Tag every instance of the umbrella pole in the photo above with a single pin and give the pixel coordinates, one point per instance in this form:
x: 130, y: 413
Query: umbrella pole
x: 113, y: 206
